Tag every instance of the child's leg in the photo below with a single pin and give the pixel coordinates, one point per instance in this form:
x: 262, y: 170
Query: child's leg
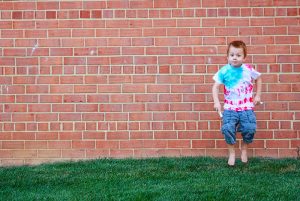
x: 230, y: 120
x: 231, y: 158
x: 248, y: 129
x: 244, y: 154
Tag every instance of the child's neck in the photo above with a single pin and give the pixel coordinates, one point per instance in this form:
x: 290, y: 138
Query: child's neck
x: 236, y: 66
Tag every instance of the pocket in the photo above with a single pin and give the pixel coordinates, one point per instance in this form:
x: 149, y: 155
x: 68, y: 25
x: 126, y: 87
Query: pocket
x: 226, y: 116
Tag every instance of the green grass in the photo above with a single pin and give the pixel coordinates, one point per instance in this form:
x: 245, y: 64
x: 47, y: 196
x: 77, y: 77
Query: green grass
x: 154, y: 179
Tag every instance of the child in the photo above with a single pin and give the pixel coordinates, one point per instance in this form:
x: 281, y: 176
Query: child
x: 238, y: 112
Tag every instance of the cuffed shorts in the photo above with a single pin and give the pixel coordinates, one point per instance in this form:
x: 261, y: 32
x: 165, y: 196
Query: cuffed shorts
x: 238, y: 121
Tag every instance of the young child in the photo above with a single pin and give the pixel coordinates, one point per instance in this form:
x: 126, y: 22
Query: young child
x: 238, y: 115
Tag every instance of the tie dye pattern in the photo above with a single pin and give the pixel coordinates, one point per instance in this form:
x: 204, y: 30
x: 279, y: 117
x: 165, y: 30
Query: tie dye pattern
x: 238, y: 86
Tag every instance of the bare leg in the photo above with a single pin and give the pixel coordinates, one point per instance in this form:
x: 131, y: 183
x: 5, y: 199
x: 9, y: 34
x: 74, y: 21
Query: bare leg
x: 244, y: 155
x: 231, y: 158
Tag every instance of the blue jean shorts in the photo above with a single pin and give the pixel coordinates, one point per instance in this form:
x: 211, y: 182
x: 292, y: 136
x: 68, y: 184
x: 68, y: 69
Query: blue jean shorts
x: 238, y: 121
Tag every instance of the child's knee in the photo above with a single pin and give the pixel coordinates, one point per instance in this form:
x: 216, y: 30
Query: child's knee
x: 229, y: 132
x: 248, y: 132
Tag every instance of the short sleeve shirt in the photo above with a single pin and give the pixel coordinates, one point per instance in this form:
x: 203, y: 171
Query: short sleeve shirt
x: 238, y: 86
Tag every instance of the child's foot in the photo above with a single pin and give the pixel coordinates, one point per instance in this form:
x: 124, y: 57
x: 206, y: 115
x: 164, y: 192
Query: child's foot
x: 231, y: 160
x: 244, y: 156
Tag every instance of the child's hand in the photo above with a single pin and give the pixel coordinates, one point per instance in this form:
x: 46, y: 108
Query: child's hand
x: 217, y: 107
x: 257, y: 100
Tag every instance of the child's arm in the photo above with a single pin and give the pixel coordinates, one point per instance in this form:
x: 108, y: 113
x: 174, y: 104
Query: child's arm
x: 258, y: 90
x: 215, y: 93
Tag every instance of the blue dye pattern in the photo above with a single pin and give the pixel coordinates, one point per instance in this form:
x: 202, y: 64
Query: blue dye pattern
x: 230, y: 76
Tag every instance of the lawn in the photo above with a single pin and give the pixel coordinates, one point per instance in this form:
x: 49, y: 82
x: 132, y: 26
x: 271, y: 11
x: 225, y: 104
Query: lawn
x: 197, y: 178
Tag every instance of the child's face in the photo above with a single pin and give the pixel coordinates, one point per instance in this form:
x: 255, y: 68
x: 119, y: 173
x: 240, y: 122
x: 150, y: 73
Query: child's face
x: 235, y: 56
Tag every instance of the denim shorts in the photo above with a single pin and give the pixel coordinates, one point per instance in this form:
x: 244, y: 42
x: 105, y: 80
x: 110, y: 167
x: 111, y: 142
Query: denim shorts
x: 238, y: 121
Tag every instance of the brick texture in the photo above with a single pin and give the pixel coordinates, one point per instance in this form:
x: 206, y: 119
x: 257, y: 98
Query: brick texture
x: 132, y: 78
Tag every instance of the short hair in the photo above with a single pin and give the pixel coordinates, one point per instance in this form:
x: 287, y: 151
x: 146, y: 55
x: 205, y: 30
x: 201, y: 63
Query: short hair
x: 238, y: 44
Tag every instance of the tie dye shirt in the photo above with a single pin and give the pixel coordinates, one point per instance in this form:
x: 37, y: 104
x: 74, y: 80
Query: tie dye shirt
x: 238, y: 86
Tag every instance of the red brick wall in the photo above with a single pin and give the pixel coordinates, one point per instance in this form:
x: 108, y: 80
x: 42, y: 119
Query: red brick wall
x: 129, y: 78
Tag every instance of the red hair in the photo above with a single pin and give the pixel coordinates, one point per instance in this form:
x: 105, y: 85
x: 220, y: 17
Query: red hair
x: 238, y: 44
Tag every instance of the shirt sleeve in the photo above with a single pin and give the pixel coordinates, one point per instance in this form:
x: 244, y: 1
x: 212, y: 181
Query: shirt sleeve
x: 255, y: 74
x: 219, y: 76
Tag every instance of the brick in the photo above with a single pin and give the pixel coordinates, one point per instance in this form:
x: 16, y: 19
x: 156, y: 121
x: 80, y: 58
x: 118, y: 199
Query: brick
x: 92, y: 117
x: 154, y: 32
x: 165, y: 4
x: 140, y: 23
x: 24, y: 154
x: 286, y: 39
x: 251, y: 31
x: 179, y: 144
x: 69, y: 117
x: 49, y: 154
x: 46, y: 117
x: 24, y: 5
x: 262, y: 22
x: 278, y: 49
x: 101, y: 144
x: 6, y: 42
x: 47, y: 136
x: 164, y: 116
x: 87, y: 108
x: 51, y: 15
x: 237, y: 22
x: 133, y: 88
x: 146, y: 60
x: 83, y: 144
x: 157, y: 51
x: 118, y: 135
x: 6, y: 6
x: 213, y: 22
x: 94, y: 5
x: 263, y: 59
x: 203, y: 144
x: 68, y: 154
x: 165, y: 135
x: 157, y: 107
x: 69, y: 136
x: 36, y: 145
x: 131, y: 144
x: 63, y: 108
x: 237, y: 3
x: 141, y: 135
x: 15, y: 108
x: 213, y: 3
x: 85, y: 89
x: 277, y: 143
x: 277, y: 30
x: 286, y: 21
x: 51, y: 98
x: 7, y: 62
x: 140, y: 116
x: 22, y: 117
x: 286, y: 135
x: 6, y: 81
x: 39, y: 108
x: 13, y: 145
